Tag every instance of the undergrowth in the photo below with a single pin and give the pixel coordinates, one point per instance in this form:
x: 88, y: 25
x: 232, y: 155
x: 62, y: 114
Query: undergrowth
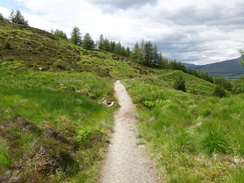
x: 42, y: 117
x: 192, y: 138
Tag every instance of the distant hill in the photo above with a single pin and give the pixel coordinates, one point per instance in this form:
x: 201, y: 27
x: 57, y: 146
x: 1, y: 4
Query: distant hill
x: 192, y: 66
x: 228, y: 68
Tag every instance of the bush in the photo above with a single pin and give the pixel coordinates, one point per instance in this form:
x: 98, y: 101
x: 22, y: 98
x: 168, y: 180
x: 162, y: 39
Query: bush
x: 219, y: 92
x: 180, y: 84
x: 6, y: 45
x: 238, y: 86
x: 60, y: 33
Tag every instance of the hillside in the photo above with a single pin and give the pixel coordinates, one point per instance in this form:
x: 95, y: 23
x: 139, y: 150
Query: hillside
x: 55, y: 123
x: 228, y: 68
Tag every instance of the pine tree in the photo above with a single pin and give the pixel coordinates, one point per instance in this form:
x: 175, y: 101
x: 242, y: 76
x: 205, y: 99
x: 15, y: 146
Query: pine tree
x: 118, y: 48
x: 106, y: 45
x: 112, y: 46
x: 88, y: 42
x: 17, y: 18
x: 1, y: 17
x: 148, y: 57
x: 156, y: 59
x: 76, y: 36
x: 101, y: 42
x: 59, y: 33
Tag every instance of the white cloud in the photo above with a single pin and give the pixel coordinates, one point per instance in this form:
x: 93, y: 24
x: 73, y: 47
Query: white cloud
x: 197, y: 31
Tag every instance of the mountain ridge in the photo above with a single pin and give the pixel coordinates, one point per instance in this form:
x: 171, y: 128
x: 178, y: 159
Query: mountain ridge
x: 228, y: 68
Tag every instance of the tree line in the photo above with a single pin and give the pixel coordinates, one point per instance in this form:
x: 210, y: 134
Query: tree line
x: 145, y: 53
x: 15, y: 17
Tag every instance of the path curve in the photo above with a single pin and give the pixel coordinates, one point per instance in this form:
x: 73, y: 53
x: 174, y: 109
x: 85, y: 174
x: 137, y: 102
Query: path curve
x: 126, y: 162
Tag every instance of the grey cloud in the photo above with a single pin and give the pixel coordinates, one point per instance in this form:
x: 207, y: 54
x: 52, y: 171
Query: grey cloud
x: 123, y: 4
x: 213, y: 16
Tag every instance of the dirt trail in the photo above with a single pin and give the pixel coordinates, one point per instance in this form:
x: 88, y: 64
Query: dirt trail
x: 126, y: 162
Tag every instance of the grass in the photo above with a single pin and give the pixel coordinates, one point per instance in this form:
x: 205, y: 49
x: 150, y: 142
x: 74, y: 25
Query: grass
x: 53, y: 129
x: 42, y: 114
x: 191, y: 138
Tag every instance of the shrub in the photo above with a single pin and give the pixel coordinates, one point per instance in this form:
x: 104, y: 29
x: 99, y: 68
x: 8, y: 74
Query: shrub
x: 83, y: 135
x: 239, y: 85
x: 60, y: 33
x: 6, y: 45
x: 219, y: 92
x: 180, y: 84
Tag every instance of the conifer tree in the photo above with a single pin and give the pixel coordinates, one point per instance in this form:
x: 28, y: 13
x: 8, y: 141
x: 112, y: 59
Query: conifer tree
x: 136, y: 53
x: 59, y: 33
x: 88, y: 42
x: 148, y: 57
x: 100, y: 42
x: 17, y: 18
x: 106, y: 45
x: 76, y: 36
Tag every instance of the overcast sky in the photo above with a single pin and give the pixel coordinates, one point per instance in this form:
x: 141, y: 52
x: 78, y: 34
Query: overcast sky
x: 193, y: 31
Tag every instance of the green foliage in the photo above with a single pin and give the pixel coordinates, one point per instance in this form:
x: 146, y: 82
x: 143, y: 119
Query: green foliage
x: 5, y: 160
x: 136, y: 54
x: 191, y: 136
x: 195, y: 135
x: 87, y: 42
x: 151, y: 104
x: 213, y: 140
x: 1, y: 17
x: 60, y: 34
x: 238, y: 85
x: 6, y: 45
x: 83, y: 135
x: 179, y: 84
x: 242, y: 57
x: 76, y: 36
x: 17, y: 18
x: 46, y: 143
x: 219, y: 92
x: 221, y: 81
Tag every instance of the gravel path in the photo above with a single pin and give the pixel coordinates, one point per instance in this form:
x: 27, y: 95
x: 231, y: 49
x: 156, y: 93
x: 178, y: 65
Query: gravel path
x: 126, y: 161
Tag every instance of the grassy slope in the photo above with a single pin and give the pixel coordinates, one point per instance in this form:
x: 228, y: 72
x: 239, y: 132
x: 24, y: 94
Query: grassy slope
x: 229, y: 68
x: 191, y: 138
x: 43, y: 109
x: 51, y: 125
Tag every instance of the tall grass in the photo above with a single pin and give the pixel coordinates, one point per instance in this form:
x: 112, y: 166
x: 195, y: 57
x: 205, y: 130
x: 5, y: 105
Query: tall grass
x: 42, y: 110
x: 192, y: 138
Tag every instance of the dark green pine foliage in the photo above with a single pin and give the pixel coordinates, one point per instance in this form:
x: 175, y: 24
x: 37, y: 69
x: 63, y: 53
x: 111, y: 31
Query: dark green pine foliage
x: 100, y: 42
x: 136, y: 53
x: 103, y: 44
x: 148, y: 57
x: 221, y: 81
x: 76, y: 36
x: 88, y: 42
x: 17, y: 18
x: 219, y: 92
x: 1, y: 17
x: 179, y: 84
x: 238, y: 85
x: 60, y: 34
